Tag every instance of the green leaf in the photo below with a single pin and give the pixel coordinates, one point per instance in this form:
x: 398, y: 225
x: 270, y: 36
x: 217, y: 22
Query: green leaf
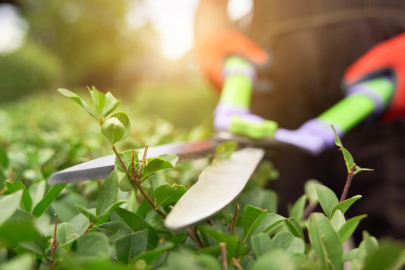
x: 151, y: 255
x: 23, y: 262
x: 113, y: 130
x: 15, y: 231
x: 297, y: 211
x: 66, y: 235
x: 37, y: 192
x: 400, y: 262
x: 366, y: 249
x: 125, y: 184
x: 386, y: 256
x: 230, y: 240
x: 350, y: 255
x: 338, y: 220
x: 136, y: 223
x: 124, y: 119
x: 177, y: 239
x: 273, y: 260
x: 92, y: 244
x: 168, y: 194
x: 258, y: 197
x: 343, y: 206
x: 26, y: 197
x: 346, y: 155
x: 111, y: 103
x: 288, y: 242
x: 130, y: 246
x: 261, y: 243
x: 107, y: 195
x: 349, y: 227
x: 210, y: 261
x: 86, y: 212
x: 33, y: 247
x: 359, y: 169
x: 310, y: 191
x: 46, y: 201
x: 143, y: 208
x: 115, y: 230
x: 4, y: 161
x: 325, y: 242
x: 225, y: 150
x: 98, y: 100
x: 327, y: 199
x: 8, y: 205
x: 252, y: 218
x: 295, y: 228
x: 269, y: 222
x: 166, y: 161
x: 78, y: 100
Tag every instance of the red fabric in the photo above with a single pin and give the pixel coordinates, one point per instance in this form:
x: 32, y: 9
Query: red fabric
x: 212, y: 48
x: 389, y: 54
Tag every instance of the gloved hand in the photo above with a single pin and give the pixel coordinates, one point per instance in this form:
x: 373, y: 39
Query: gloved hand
x: 232, y: 113
x: 386, y: 57
x: 239, y: 120
x: 314, y: 136
x: 212, y: 47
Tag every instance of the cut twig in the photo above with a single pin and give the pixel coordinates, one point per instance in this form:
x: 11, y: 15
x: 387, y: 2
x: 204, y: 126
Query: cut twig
x: 222, y: 245
x: 120, y: 160
x: 143, y: 162
x: 348, y: 182
x: 89, y: 227
x: 137, y: 181
x: 53, y: 245
x: 237, y: 264
x: 235, y: 218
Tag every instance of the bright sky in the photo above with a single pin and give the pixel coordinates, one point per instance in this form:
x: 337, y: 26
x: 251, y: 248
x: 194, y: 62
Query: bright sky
x: 12, y: 28
x: 173, y: 20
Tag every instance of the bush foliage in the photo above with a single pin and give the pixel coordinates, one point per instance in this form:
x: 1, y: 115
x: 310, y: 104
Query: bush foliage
x: 118, y: 222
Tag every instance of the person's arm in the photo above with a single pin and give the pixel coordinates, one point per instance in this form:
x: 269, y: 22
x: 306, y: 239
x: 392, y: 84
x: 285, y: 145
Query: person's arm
x: 375, y: 85
x: 211, y: 15
x: 225, y: 56
x: 215, y: 39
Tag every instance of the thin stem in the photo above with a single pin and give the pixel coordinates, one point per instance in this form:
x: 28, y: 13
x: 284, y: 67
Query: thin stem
x: 143, y: 162
x: 53, y: 245
x: 212, y: 223
x: 235, y: 218
x: 119, y: 158
x: 237, y: 264
x: 308, y: 210
x: 146, y: 196
x: 137, y: 181
x: 348, y: 182
x: 133, y: 161
x: 193, y: 235
x: 222, y: 245
x: 89, y: 227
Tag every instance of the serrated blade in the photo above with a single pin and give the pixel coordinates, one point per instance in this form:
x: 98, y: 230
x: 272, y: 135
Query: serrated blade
x: 218, y: 186
x: 102, y: 167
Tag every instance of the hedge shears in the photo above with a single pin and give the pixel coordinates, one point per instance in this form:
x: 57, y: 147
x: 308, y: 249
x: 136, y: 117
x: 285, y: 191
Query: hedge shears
x: 222, y: 182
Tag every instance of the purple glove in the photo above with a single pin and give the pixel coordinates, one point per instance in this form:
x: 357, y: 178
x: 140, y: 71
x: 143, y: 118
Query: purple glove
x: 239, y: 120
x: 223, y: 116
x: 314, y: 136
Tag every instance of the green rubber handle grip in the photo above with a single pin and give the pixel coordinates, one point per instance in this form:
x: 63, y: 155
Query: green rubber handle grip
x: 238, y: 82
x: 350, y: 111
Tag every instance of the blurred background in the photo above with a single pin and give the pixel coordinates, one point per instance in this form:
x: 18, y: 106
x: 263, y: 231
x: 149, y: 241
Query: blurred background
x: 139, y: 50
